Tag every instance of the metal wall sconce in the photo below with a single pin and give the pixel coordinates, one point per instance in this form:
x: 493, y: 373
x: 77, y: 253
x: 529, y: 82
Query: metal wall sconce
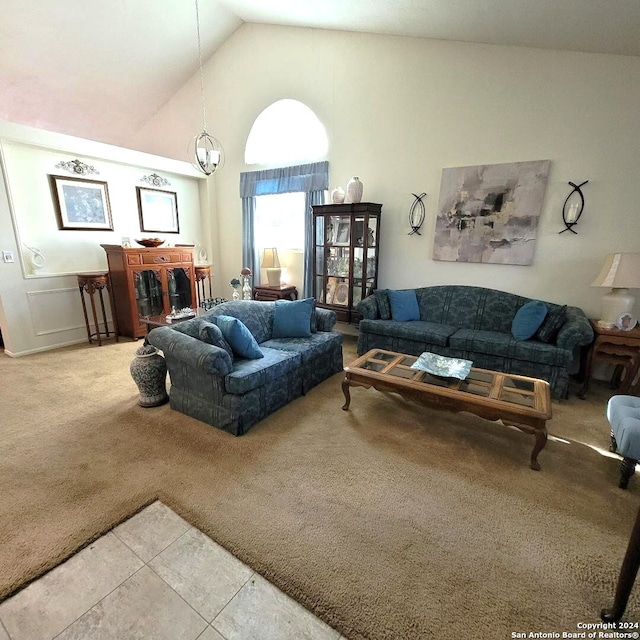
x: 416, y: 214
x: 573, y: 207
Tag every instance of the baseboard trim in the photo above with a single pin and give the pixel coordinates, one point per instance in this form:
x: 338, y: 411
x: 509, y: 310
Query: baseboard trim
x: 19, y: 354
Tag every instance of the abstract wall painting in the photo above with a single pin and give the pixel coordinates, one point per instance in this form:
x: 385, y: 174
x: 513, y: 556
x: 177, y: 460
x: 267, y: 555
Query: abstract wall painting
x: 489, y: 213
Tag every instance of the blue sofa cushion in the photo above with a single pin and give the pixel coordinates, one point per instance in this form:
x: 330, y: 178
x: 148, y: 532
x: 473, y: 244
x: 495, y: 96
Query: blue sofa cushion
x: 189, y: 327
x: 542, y: 353
x: 493, y: 342
x: 255, y: 315
x: 423, y: 332
x: 552, y: 324
x: 238, y: 336
x: 212, y: 334
x: 251, y: 374
x: 292, y: 318
x: 470, y: 341
x: 528, y: 319
x: 404, y: 305
x: 309, y: 348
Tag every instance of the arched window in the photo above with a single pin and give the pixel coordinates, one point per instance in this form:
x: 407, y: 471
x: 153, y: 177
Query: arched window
x: 276, y: 203
x: 286, y: 132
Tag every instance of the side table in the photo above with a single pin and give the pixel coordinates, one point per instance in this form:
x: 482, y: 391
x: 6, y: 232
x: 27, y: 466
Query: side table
x: 161, y: 321
x: 616, y: 347
x: 202, y: 273
x: 282, y: 292
x: 92, y: 282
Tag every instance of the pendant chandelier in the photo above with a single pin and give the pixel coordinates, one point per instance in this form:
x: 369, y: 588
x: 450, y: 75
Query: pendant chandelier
x: 206, y: 152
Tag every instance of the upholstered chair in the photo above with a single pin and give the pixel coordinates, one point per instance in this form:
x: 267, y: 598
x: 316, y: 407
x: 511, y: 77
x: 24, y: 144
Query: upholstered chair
x: 623, y: 413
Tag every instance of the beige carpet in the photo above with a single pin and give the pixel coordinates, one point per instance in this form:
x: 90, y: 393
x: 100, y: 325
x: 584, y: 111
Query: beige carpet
x: 387, y: 521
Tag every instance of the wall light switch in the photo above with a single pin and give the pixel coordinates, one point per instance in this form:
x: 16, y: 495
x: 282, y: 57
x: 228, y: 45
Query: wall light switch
x: 7, y: 256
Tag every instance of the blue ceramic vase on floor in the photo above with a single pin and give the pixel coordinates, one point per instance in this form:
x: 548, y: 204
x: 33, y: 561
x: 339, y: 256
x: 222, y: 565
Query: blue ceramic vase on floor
x: 149, y: 371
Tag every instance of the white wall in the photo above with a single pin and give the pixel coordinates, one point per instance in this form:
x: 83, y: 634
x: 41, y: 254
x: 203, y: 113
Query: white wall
x: 399, y: 110
x: 41, y: 308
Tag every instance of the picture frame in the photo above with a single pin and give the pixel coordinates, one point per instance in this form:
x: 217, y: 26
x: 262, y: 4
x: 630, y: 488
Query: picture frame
x: 342, y: 233
x: 626, y: 322
x: 341, y: 295
x: 158, y: 210
x: 81, y: 204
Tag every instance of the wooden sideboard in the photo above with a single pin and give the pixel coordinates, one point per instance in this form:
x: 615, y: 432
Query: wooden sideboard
x: 149, y: 282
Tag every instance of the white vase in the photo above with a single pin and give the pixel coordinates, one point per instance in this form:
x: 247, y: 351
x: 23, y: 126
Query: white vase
x: 337, y: 195
x: 354, y: 190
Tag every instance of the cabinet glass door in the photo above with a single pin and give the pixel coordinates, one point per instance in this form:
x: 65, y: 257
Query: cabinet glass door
x: 179, y: 286
x: 148, y: 287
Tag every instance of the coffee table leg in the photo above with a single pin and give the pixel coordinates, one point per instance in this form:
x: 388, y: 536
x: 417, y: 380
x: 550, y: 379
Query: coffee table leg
x: 347, y: 395
x: 541, y: 441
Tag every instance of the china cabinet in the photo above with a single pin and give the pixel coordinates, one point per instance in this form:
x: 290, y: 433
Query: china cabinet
x: 149, y: 282
x: 345, y: 255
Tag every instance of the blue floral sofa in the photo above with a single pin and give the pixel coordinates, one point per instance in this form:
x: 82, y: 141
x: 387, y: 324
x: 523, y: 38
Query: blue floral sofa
x: 475, y: 323
x: 234, y: 393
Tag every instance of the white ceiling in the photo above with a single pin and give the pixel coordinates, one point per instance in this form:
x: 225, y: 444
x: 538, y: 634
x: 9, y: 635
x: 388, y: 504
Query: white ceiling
x: 99, y: 69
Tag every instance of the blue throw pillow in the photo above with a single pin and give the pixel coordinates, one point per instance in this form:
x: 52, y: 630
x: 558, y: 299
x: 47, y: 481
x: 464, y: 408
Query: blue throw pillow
x: 528, y: 319
x: 212, y: 334
x: 404, y: 305
x: 239, y: 337
x: 292, y: 318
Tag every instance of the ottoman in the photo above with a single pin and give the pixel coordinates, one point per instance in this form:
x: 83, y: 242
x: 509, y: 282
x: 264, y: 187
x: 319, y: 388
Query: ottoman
x: 623, y: 413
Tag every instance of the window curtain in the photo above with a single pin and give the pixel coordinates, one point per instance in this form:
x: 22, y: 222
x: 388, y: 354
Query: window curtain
x: 311, y: 198
x: 311, y: 179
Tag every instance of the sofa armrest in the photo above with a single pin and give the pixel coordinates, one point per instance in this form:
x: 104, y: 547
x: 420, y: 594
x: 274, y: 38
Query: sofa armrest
x: 194, y: 353
x: 325, y: 319
x: 368, y: 308
x: 576, y: 331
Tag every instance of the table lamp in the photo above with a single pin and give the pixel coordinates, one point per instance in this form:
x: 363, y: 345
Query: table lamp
x: 271, y: 264
x: 621, y: 272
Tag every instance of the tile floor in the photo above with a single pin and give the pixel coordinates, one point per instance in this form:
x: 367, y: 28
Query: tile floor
x: 156, y: 577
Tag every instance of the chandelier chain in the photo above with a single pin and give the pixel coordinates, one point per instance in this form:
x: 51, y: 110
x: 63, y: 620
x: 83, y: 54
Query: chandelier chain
x: 204, y: 112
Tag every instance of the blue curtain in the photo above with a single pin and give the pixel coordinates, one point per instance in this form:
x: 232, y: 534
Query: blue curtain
x: 311, y: 198
x: 250, y: 257
x: 311, y: 179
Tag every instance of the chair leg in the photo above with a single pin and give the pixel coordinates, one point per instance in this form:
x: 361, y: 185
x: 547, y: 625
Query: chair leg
x: 627, y: 470
x: 613, y: 445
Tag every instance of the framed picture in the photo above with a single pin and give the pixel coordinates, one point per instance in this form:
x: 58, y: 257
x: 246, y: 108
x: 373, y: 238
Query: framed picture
x: 342, y: 233
x: 626, y: 322
x: 341, y: 295
x: 158, y: 210
x: 81, y: 203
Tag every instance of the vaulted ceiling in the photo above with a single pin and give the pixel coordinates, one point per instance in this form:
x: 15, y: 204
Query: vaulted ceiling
x: 100, y: 69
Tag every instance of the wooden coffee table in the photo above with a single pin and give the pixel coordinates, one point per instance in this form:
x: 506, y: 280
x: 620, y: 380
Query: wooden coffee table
x: 515, y: 400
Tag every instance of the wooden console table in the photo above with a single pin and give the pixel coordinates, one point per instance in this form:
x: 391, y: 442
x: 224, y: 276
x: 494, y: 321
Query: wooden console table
x: 616, y: 347
x: 522, y: 402
x: 281, y: 292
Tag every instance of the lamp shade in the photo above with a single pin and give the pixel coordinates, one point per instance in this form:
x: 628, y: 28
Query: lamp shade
x: 270, y: 259
x: 620, y: 270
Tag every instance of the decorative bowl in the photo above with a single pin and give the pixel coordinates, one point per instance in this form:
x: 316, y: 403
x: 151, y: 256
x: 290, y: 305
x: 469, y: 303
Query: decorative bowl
x: 150, y: 242
x: 443, y: 366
